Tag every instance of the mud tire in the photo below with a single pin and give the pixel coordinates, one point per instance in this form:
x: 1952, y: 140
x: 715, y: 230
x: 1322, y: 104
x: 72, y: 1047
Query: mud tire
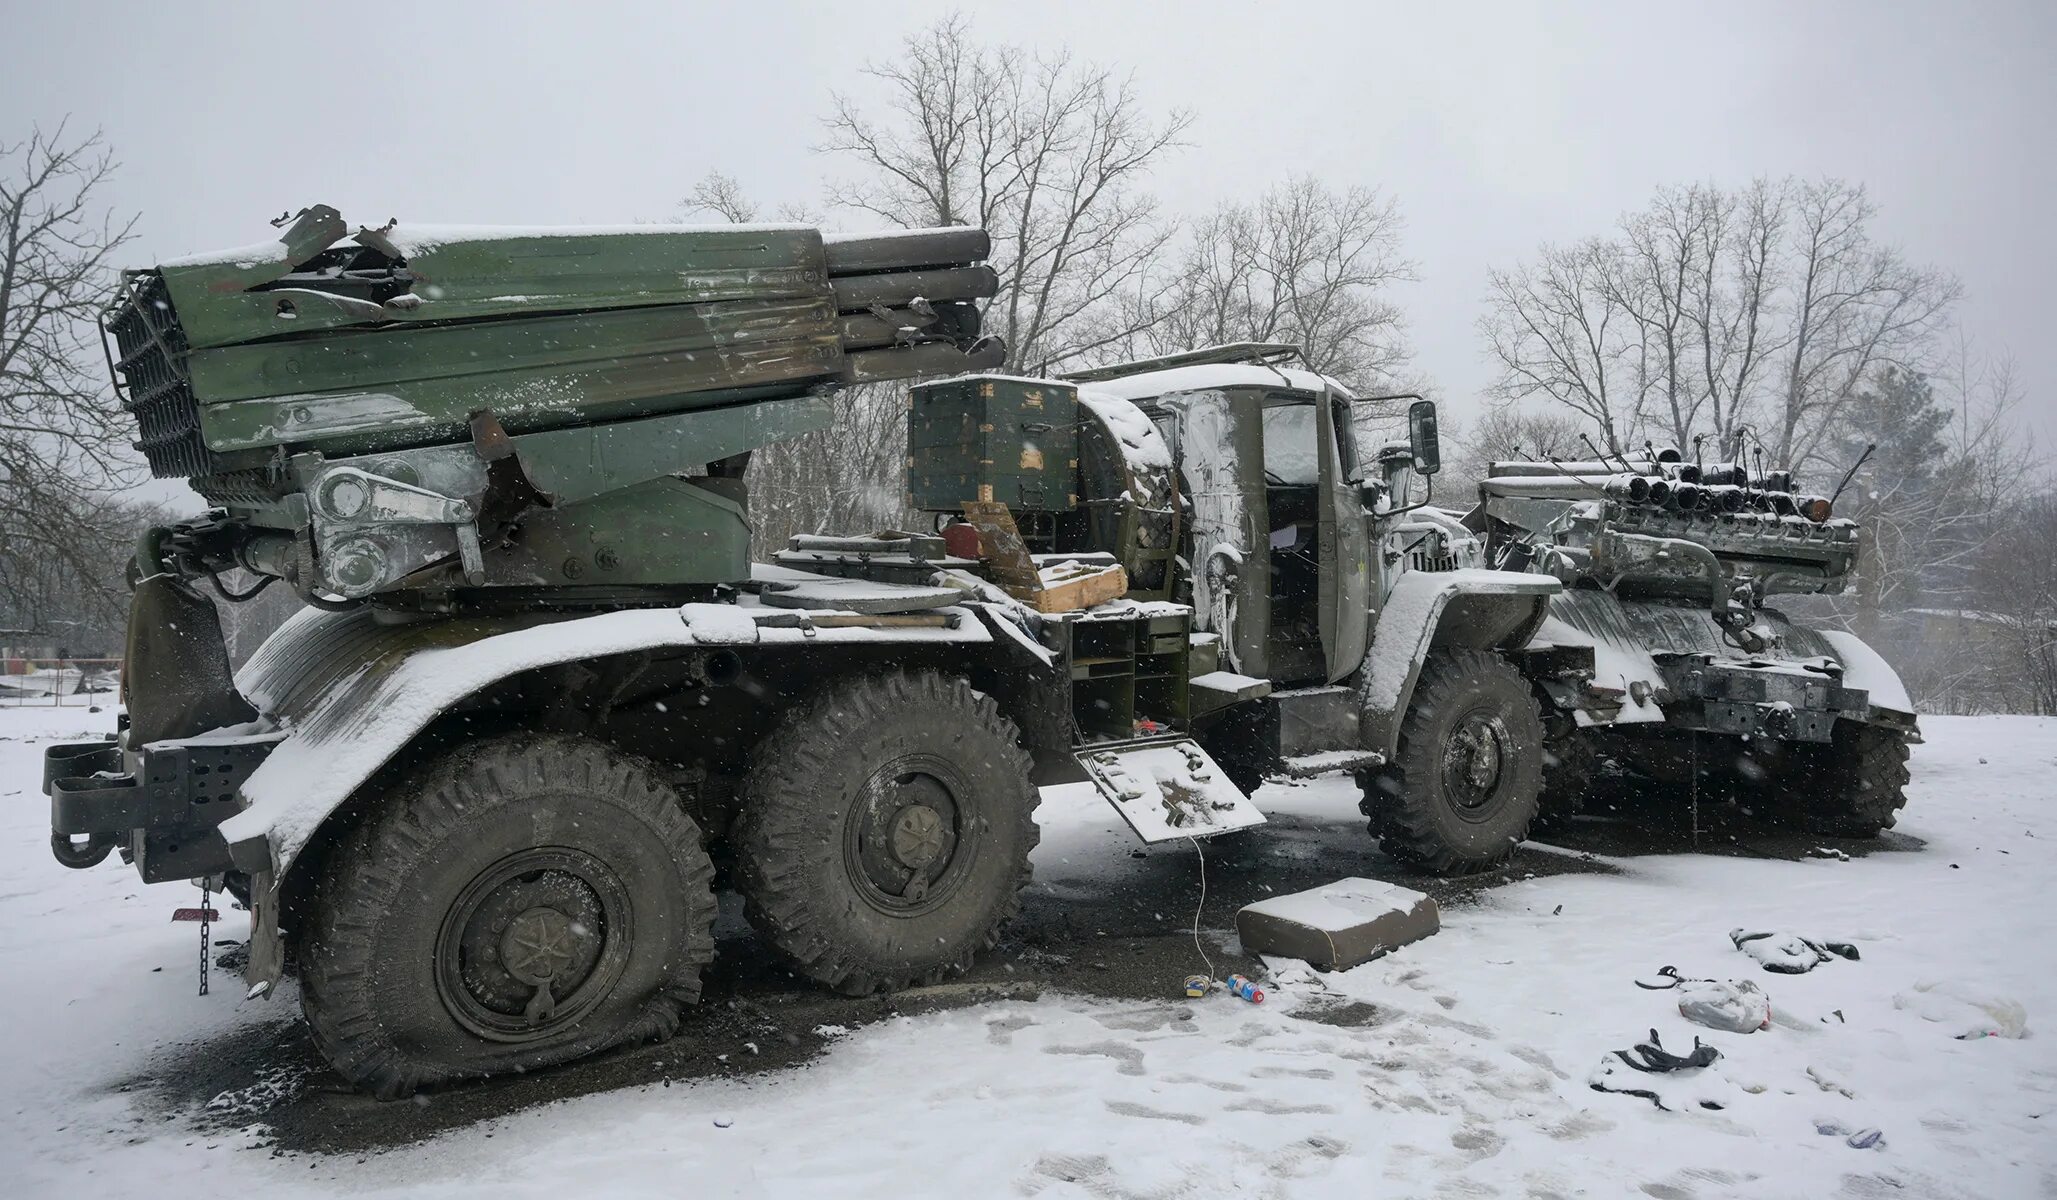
x: 1854, y: 786
x: 820, y: 808
x: 393, y: 894
x: 1420, y: 816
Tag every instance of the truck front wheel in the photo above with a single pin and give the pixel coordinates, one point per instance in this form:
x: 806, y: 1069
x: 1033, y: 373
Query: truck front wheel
x: 518, y: 903
x: 885, y: 831
x: 1461, y: 791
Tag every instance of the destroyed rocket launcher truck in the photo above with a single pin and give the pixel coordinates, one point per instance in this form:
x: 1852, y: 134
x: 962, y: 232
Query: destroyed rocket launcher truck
x: 1679, y: 669
x: 479, y: 786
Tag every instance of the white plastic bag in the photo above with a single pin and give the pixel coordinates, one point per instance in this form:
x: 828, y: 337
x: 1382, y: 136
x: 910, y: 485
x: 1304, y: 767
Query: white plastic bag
x: 1736, y: 1007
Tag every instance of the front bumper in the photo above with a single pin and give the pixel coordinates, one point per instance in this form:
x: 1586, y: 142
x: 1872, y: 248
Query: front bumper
x: 160, y: 805
x: 1779, y: 701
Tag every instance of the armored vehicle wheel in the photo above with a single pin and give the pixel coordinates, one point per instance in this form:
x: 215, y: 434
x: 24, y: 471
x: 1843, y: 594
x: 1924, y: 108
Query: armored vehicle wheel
x: 885, y: 831
x: 1461, y: 792
x: 1854, y: 786
x: 520, y: 902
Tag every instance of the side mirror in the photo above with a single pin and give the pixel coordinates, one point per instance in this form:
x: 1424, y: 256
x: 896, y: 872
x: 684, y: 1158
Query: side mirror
x: 1421, y: 437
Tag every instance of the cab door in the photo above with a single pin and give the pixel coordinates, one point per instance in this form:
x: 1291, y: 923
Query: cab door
x: 1345, y: 548
x: 1218, y: 450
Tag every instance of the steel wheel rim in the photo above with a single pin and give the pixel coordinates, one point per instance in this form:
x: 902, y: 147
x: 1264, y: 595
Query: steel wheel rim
x: 910, y: 841
x: 1477, y: 761
x: 549, y: 917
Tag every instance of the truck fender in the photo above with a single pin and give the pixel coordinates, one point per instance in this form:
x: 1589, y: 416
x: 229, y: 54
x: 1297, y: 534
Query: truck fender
x: 1427, y: 609
x: 353, y: 692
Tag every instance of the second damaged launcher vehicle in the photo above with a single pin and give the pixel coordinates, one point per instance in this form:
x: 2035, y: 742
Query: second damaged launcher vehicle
x: 1663, y: 661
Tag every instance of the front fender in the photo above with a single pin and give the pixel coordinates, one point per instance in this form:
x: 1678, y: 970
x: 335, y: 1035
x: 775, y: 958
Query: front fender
x: 1426, y: 609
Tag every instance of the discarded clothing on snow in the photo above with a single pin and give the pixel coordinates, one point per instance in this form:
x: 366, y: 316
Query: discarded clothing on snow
x: 1650, y: 1061
x: 1789, y: 953
x: 1729, y: 1005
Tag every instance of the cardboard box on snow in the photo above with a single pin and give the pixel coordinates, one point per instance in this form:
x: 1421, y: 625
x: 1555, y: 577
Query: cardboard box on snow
x: 1338, y: 925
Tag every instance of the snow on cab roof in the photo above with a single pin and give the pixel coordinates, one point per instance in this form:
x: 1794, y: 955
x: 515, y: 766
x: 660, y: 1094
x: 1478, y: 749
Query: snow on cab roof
x: 1212, y: 375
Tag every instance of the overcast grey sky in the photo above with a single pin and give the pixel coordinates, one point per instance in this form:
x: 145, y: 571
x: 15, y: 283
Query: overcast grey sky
x: 1497, y: 126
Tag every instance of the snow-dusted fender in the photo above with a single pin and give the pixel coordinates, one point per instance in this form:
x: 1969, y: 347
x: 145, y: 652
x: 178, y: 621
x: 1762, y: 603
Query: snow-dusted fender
x: 1426, y: 609
x: 353, y: 691
x: 1864, y: 668
x: 1636, y: 646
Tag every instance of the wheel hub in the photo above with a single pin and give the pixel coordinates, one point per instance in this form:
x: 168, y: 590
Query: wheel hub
x: 918, y: 836
x: 533, y: 943
x: 906, y: 845
x: 1475, y: 759
x: 539, y: 945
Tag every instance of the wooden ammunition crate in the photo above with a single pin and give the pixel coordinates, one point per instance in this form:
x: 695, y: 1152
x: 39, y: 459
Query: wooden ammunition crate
x: 993, y: 438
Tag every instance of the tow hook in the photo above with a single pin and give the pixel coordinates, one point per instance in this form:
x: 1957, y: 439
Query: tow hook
x: 80, y: 855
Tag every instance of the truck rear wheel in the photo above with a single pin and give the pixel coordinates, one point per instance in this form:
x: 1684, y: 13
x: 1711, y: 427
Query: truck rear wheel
x: 519, y: 903
x: 885, y: 832
x: 1855, y: 785
x: 1461, y: 792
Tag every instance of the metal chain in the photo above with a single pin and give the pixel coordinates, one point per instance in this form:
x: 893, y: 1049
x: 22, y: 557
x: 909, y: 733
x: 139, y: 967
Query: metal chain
x: 204, y: 913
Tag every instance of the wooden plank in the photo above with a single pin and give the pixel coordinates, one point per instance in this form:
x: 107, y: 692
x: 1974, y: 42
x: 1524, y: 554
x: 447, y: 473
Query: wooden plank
x: 1074, y: 586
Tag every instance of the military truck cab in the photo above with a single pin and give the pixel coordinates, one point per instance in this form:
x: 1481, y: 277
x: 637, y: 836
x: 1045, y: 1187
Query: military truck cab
x: 1298, y: 542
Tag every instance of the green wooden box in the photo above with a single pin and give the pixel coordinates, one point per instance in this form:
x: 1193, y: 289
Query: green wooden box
x: 993, y: 437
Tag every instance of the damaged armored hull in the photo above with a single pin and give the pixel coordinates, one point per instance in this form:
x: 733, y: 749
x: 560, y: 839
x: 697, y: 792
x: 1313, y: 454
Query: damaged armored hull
x: 1663, y: 659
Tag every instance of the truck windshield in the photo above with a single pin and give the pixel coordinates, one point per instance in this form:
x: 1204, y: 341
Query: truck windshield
x: 1290, y: 458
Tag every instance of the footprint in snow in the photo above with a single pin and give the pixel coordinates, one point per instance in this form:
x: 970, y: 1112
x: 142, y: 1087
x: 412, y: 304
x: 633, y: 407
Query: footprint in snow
x: 1001, y: 1030
x: 1277, y: 1109
x: 1292, y: 1072
x: 1129, y: 1058
x: 1127, y: 1109
x: 1477, y: 1141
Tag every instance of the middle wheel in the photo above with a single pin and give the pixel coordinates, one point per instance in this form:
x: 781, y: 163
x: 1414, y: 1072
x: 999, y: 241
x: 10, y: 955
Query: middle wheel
x: 885, y: 831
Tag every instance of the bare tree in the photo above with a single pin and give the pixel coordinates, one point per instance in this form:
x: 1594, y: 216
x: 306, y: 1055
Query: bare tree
x: 1853, y: 306
x: 722, y: 196
x: 1558, y: 335
x: 1734, y: 317
x: 1044, y: 151
x: 1505, y: 434
x: 1305, y: 264
x: 848, y: 478
x: 1510, y: 432
x: 62, y: 437
x: 2016, y: 581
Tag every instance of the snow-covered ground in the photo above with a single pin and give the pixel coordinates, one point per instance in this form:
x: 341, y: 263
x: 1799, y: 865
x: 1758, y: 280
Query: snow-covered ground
x: 1456, y: 1067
